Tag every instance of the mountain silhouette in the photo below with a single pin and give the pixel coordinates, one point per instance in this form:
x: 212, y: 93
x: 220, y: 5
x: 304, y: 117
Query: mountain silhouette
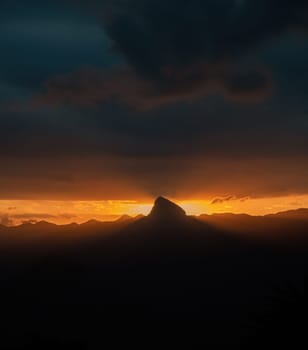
x: 165, y: 210
x: 197, y: 281
x: 166, y: 229
x: 124, y: 218
x: 167, y: 223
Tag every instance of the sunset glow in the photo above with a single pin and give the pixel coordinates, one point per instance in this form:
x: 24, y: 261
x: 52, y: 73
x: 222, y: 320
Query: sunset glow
x: 14, y: 212
x: 153, y: 174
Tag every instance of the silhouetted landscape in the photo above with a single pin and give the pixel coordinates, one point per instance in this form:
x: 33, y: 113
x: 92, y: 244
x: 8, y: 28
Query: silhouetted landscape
x: 106, y: 105
x: 166, y: 279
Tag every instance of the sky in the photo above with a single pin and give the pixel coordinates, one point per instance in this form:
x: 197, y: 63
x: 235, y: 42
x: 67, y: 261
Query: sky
x: 120, y: 101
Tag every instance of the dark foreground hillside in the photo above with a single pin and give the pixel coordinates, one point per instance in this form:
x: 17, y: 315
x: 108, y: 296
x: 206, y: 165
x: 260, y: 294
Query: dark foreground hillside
x: 166, y: 280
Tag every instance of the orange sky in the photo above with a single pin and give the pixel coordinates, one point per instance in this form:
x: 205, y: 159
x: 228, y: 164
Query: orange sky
x: 61, y: 212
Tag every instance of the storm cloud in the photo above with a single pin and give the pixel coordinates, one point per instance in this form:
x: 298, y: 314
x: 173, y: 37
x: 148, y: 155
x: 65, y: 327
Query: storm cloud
x: 188, y: 48
x: 92, y: 87
x: 182, y: 51
x: 131, y: 99
x: 156, y: 35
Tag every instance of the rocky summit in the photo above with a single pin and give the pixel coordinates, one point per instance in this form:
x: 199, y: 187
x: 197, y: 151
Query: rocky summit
x: 164, y: 209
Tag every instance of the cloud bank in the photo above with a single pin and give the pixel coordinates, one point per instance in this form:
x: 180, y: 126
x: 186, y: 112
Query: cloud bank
x: 180, y: 50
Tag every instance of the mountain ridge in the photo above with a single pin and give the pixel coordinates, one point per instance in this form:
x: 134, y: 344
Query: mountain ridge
x: 166, y: 210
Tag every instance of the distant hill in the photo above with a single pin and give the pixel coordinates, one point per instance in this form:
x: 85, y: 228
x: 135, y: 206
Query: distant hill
x: 203, y: 282
x: 286, y: 224
x: 297, y: 214
x: 167, y: 222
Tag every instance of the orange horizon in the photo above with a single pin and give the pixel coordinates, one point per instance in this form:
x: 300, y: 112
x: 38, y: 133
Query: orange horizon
x: 14, y: 212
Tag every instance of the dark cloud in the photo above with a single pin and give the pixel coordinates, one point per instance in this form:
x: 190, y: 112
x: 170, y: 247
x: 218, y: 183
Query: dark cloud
x: 154, y: 35
x: 39, y: 40
x: 212, y: 128
x: 182, y: 176
x: 223, y: 199
x: 249, y: 86
x: 183, y: 46
x: 91, y: 87
x: 168, y: 54
x: 180, y: 50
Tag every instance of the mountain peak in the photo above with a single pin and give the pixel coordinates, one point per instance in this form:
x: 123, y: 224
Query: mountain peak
x: 164, y: 209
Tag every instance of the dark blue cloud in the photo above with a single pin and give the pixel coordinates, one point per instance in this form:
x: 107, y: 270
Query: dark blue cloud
x: 166, y: 41
x: 183, y: 50
x: 177, y: 56
x: 39, y: 40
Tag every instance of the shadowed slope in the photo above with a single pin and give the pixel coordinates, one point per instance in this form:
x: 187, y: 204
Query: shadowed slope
x: 168, y: 277
x: 166, y: 210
